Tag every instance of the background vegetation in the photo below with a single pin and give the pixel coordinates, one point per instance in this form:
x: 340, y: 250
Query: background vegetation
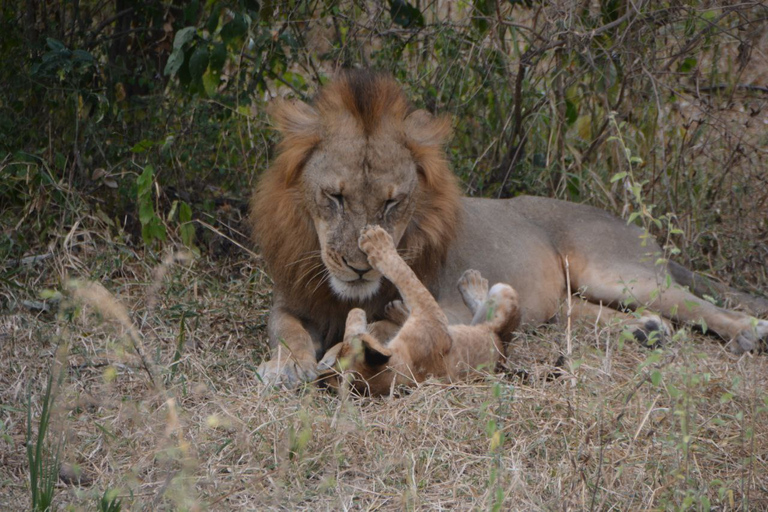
x: 131, y: 134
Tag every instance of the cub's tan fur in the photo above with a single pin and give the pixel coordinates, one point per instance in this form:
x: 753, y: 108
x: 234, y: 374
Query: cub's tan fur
x: 360, y: 155
x: 425, y: 345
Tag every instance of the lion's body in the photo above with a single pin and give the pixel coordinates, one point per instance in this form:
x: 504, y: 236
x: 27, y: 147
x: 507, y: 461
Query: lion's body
x: 524, y: 241
x: 360, y: 155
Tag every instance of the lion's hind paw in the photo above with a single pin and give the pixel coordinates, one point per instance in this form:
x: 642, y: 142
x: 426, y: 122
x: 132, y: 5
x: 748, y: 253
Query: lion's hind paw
x: 753, y: 338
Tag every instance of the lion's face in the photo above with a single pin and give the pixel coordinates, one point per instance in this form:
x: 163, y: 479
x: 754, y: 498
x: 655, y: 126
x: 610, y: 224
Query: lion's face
x: 358, y: 154
x: 348, y: 183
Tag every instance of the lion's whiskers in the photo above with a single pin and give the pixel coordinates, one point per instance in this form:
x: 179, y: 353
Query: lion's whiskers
x: 312, y: 254
x: 310, y: 270
x: 323, y: 280
x: 408, y: 254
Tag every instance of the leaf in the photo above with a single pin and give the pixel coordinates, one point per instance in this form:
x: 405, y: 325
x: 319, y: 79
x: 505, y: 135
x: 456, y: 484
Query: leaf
x: 213, y: 21
x: 144, y: 181
x: 175, y: 62
x: 187, y: 229
x: 185, y: 212
x: 218, y: 56
x: 619, y: 175
x: 146, y: 212
x: 198, y: 63
x: 48, y: 294
x: 211, y: 81
x: 690, y: 304
x: 82, y: 55
x: 656, y: 377
x: 571, y: 112
x: 183, y: 36
x: 142, y: 146
x: 235, y: 29
x: 687, y: 65
x: 153, y: 231
x: 253, y: 5
x: 404, y: 14
x: 55, y: 44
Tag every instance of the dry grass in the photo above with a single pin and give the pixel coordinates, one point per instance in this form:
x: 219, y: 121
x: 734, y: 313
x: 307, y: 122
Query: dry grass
x: 633, y: 429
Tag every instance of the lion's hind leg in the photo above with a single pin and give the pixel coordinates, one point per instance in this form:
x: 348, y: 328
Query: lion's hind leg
x: 740, y: 331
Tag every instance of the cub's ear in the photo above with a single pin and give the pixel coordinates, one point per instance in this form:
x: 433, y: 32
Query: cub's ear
x: 295, y: 118
x: 425, y: 129
x: 329, y: 359
x: 375, y: 353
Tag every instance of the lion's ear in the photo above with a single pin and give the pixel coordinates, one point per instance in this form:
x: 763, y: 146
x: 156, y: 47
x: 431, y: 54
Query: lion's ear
x: 425, y: 129
x: 375, y: 353
x: 295, y: 118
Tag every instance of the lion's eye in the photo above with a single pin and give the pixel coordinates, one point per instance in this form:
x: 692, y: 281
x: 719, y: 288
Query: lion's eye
x: 390, y: 205
x: 336, y: 199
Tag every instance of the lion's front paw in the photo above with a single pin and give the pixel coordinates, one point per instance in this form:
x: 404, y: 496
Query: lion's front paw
x: 287, y: 372
x: 752, y: 338
x: 376, y: 243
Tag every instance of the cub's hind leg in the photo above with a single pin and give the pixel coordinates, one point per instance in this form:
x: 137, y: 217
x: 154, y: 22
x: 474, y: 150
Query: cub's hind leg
x: 473, y: 288
x: 497, y: 308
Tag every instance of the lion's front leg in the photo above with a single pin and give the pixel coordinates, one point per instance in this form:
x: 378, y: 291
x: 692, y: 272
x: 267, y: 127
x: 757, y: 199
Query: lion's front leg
x: 293, y: 355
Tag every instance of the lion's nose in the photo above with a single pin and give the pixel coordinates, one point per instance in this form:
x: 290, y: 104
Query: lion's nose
x: 359, y: 269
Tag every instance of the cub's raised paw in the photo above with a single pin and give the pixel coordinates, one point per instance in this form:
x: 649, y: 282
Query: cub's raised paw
x: 376, y: 243
x: 473, y: 288
x: 396, y: 312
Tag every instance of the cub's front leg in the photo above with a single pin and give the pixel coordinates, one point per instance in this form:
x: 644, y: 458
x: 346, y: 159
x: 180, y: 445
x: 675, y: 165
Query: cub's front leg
x: 378, y: 245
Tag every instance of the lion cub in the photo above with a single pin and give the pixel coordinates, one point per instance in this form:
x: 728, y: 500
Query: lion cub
x: 425, y: 345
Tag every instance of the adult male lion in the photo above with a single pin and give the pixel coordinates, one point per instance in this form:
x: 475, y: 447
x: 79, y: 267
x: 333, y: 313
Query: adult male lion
x: 359, y: 155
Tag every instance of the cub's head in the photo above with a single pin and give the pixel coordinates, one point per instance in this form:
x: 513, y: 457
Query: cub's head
x: 358, y: 155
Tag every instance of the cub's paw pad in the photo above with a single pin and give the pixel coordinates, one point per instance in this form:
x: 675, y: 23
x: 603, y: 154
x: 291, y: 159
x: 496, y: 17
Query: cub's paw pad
x: 650, y: 330
x: 374, y: 239
x: 751, y: 339
x: 397, y: 312
x: 473, y: 288
x: 471, y: 281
